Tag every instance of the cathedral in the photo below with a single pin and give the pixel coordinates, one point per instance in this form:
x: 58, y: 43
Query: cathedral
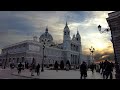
x: 44, y: 50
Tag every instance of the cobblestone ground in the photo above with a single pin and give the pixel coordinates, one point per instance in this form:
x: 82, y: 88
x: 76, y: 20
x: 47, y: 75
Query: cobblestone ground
x: 7, y: 74
x: 61, y: 74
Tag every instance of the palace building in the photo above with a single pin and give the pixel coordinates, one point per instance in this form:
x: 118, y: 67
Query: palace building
x: 70, y: 50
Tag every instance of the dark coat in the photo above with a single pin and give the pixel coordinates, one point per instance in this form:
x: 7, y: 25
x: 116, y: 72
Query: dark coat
x: 38, y: 67
x: 83, y: 68
x: 20, y: 66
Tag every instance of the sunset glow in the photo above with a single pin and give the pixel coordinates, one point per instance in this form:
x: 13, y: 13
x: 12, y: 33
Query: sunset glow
x: 19, y: 26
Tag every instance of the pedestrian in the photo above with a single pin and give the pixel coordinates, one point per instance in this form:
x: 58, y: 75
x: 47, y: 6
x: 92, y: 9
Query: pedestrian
x: 23, y: 66
x: 111, y: 73
x: 83, y: 70
x: 108, y: 70
x: 32, y: 69
x: 11, y: 66
x: 103, y: 68
x: 67, y: 67
x: 98, y: 68
x: 75, y: 67
x: 19, y: 68
x: 38, y: 69
x: 56, y: 66
x: 100, y: 64
x: 92, y: 67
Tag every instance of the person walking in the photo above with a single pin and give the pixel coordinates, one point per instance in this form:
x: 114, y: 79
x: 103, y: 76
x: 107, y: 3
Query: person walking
x: 67, y: 67
x: 97, y: 68
x: 12, y: 67
x: 102, y: 68
x: 108, y: 70
x: 92, y: 67
x: 111, y: 73
x: 32, y: 69
x: 56, y: 66
x: 19, y: 67
x: 38, y: 69
x: 83, y: 70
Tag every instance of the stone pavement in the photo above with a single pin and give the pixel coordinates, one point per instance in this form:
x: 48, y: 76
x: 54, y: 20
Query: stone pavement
x: 7, y: 74
x: 61, y: 74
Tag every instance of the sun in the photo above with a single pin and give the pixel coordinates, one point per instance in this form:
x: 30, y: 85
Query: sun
x: 100, y: 45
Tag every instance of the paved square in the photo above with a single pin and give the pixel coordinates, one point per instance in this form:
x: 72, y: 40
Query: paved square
x: 61, y: 74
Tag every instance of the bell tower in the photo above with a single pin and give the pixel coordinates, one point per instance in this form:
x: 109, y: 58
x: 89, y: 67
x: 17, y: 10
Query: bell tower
x: 66, y: 37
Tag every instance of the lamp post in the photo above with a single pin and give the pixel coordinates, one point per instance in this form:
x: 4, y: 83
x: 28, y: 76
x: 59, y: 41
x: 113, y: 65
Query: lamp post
x: 42, y: 70
x: 105, y: 30
x: 92, y: 51
x: 116, y: 62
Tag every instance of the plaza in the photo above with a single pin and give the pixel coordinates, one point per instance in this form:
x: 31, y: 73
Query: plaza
x: 69, y: 49
x: 48, y: 74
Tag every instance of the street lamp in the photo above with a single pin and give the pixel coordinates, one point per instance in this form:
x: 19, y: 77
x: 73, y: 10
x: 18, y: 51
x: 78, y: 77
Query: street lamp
x: 42, y: 70
x: 92, y: 50
x: 116, y: 63
x: 105, y: 30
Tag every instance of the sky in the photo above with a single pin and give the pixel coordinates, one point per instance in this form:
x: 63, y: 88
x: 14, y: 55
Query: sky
x: 16, y: 26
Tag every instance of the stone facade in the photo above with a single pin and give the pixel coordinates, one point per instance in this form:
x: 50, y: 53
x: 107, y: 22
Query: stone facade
x: 114, y: 24
x: 26, y: 50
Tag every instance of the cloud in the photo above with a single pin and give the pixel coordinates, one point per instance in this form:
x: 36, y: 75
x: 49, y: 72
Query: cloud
x: 16, y: 26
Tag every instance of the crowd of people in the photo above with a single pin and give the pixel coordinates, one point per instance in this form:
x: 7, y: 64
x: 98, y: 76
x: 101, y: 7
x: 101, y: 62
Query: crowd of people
x: 104, y: 68
x: 32, y: 67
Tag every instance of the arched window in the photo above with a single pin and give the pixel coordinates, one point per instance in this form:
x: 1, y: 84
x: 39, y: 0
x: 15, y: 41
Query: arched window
x: 64, y: 33
x: 77, y: 39
x: 74, y: 47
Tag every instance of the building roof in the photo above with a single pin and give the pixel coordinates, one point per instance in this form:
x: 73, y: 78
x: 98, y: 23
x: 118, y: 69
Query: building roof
x: 25, y: 41
x: 113, y: 15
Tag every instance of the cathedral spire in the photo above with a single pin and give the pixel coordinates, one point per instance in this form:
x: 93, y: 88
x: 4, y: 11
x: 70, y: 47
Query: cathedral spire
x: 66, y: 23
x: 66, y: 26
x: 46, y: 28
x: 77, y: 30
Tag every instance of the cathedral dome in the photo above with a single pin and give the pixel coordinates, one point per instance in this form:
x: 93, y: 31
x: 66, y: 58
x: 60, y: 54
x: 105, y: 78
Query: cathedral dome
x: 47, y: 37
